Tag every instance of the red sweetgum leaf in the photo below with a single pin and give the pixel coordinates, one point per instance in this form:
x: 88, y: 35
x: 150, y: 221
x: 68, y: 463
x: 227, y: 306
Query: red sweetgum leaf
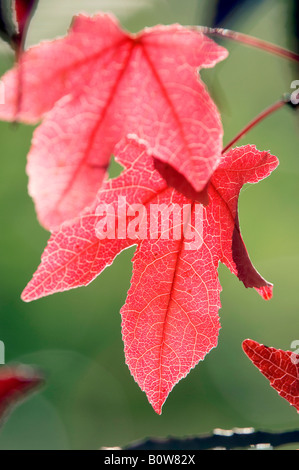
x: 170, y: 318
x: 100, y: 83
x: 280, y: 367
x: 16, y: 383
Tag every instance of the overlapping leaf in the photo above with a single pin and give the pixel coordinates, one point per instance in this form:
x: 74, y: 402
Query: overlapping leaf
x: 96, y: 85
x: 170, y: 319
x: 280, y: 367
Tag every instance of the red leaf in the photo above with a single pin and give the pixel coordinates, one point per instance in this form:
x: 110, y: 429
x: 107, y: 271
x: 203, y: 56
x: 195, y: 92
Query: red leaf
x: 170, y: 319
x: 15, y: 384
x: 280, y: 367
x: 98, y: 84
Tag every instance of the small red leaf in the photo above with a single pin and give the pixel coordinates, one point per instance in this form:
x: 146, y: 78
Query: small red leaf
x: 280, y: 367
x: 100, y: 83
x: 170, y: 319
x: 15, y: 384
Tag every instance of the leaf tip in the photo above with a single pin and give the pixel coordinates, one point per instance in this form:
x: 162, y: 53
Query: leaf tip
x: 266, y: 291
x: 158, y: 409
x: 158, y: 404
x: 26, y: 295
x: 248, y: 344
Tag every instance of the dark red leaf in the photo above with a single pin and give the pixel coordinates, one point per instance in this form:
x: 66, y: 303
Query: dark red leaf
x: 280, y: 367
x: 16, y: 383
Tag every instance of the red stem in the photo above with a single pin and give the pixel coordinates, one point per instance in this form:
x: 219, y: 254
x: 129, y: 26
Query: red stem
x: 274, y: 107
x: 250, y: 41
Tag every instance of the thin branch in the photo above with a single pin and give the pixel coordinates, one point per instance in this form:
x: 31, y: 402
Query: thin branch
x: 232, y: 439
x: 249, y: 41
x: 271, y: 109
x: 285, y: 100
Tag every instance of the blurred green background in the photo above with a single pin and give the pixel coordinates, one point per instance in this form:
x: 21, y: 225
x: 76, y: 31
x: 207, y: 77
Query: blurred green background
x: 90, y: 399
